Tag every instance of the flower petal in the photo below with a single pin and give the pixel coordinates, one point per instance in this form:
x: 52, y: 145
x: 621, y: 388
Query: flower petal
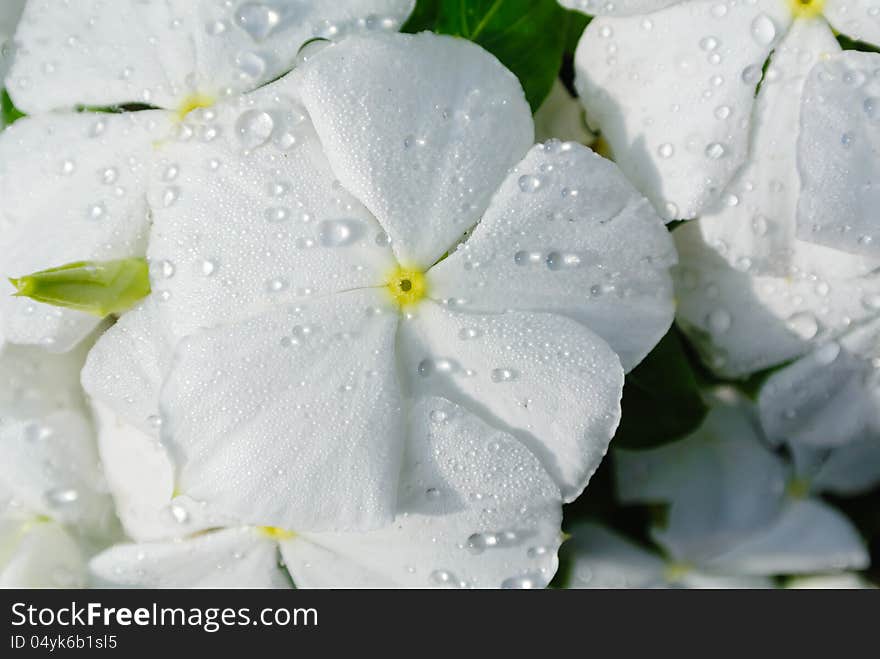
x: 161, y: 52
x: 445, y: 123
x: 546, y: 379
x: 248, y: 215
x: 837, y: 154
x: 39, y: 554
x: 231, y: 558
x: 672, y: 94
x: 73, y: 190
x: 828, y: 398
x: 809, y: 536
x: 292, y: 418
x: 618, y: 7
x: 602, y: 558
x: 10, y: 12
x: 857, y: 19
x: 720, y: 483
x: 723, y: 309
x: 50, y: 465
x: 753, y: 226
x: 560, y: 237
x: 561, y: 117
x: 476, y: 509
x: 849, y: 470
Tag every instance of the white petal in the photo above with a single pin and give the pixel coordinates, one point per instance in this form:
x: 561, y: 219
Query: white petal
x: 561, y: 117
x: 720, y: 483
x: 754, y: 224
x: 723, y: 309
x: 92, y: 53
x: 843, y: 580
x: 231, y: 558
x: 10, y: 12
x: 830, y: 397
x: 50, y: 465
x: 567, y: 234
x: 618, y: 7
x: 837, y: 154
x: 140, y: 475
x: 125, y: 367
x: 73, y: 190
x: 123, y: 376
x: 476, y: 509
x: 858, y: 19
x: 656, y: 86
x: 547, y: 380
x: 445, y: 123
x: 292, y: 418
x: 602, y: 558
x: 848, y: 470
x: 248, y: 215
x: 809, y: 536
x: 39, y: 554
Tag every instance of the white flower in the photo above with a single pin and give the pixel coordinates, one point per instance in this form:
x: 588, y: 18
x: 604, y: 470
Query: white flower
x: 474, y: 507
x: 73, y: 184
x: 52, y: 515
x: 561, y: 117
x: 824, y: 313
x: 737, y: 513
x: 10, y: 12
x: 317, y: 302
x: 672, y: 88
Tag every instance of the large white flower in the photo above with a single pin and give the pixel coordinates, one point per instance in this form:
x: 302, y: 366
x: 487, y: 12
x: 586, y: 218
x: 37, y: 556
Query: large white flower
x: 73, y: 184
x: 824, y: 312
x: 736, y: 512
x: 52, y: 512
x: 672, y: 86
x: 474, y: 507
x: 324, y: 288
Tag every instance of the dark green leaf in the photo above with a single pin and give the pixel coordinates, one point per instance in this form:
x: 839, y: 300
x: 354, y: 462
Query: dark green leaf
x: 661, y: 399
x: 576, y: 23
x: 527, y: 36
x: 10, y: 112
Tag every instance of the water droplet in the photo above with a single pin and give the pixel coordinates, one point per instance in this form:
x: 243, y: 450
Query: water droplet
x: 871, y: 105
x: 468, y: 333
x: 277, y: 214
x: 209, y: 267
x: 525, y: 258
x: 530, y: 183
x: 715, y: 150
x: 828, y: 353
x: 96, y: 211
x: 170, y: 196
x: 276, y: 285
x: 504, y: 374
x: 722, y: 112
x: 804, y: 324
x: 62, y: 496
x: 443, y: 578
x: 525, y: 581
x: 68, y: 167
x: 665, y: 150
x: 109, y: 176
x: 719, y: 321
x: 438, y: 416
x: 708, y: 43
x: 846, y: 140
x: 178, y: 513
x: 751, y: 74
x: 339, y: 233
x: 257, y: 19
x: 763, y: 29
x: 558, y: 261
x: 254, y: 128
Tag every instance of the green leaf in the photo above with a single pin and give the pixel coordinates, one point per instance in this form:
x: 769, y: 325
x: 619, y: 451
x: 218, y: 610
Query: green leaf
x: 10, y: 113
x: 661, y: 398
x: 424, y: 16
x: 527, y: 36
x: 100, y: 288
x: 576, y: 23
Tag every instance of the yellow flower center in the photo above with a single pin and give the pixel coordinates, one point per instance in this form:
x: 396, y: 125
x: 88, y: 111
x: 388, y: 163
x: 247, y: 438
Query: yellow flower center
x: 797, y: 488
x: 806, y: 8
x: 276, y: 533
x: 675, y: 571
x: 194, y: 102
x: 407, y: 286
